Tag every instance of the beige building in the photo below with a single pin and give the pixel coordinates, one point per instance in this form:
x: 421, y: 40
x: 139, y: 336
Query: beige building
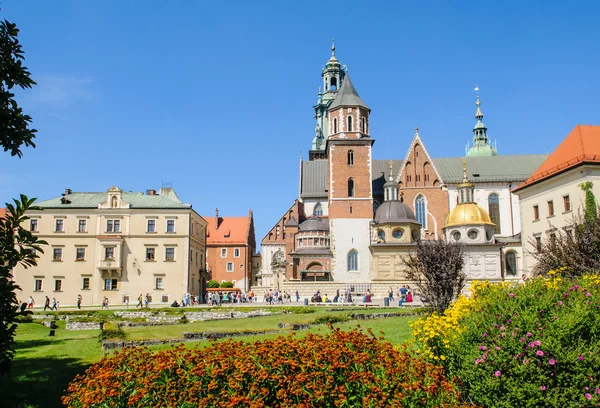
x: 552, y: 195
x: 117, y: 245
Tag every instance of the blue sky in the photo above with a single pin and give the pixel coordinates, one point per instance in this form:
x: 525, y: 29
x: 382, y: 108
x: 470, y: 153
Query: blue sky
x: 216, y: 96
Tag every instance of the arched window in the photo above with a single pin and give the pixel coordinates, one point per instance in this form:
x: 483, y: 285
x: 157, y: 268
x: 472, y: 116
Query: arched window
x: 494, y: 210
x: 350, y: 187
x: 363, y: 125
x: 353, y: 260
x: 421, y: 211
x: 350, y: 157
x: 333, y: 83
x: 511, y: 263
x: 318, y: 210
x: 334, y: 125
x: 349, y: 123
x: 113, y: 202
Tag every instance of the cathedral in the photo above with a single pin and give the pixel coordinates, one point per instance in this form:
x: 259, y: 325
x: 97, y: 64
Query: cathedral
x: 355, y: 218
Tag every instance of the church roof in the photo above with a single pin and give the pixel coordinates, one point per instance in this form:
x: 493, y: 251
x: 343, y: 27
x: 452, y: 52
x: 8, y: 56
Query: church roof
x: 232, y: 230
x: 515, y: 168
x: 347, y: 96
x: 315, y: 224
x: 582, y: 145
x: 163, y: 199
x: 394, y: 212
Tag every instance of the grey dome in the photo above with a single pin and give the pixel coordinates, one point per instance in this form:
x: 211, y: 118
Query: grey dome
x: 394, y: 212
x: 314, y: 224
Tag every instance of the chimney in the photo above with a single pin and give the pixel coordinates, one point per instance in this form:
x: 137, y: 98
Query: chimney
x: 217, y: 218
x: 150, y: 192
x: 67, y: 191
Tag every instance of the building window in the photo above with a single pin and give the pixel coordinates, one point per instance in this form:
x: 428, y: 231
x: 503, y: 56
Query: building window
x: 109, y: 253
x: 236, y: 253
x: 494, y: 210
x: 318, y: 210
x: 223, y: 252
x: 151, y: 226
x: 363, y: 125
x: 538, y: 243
x: 38, y: 285
x: 58, y: 285
x: 353, y: 260
x: 113, y: 225
x: 421, y: 211
x: 158, y: 284
x: 33, y: 225
x: 164, y: 298
x: 511, y: 263
x: 85, y: 283
x: 335, y: 125
x: 80, y: 254
x: 350, y: 157
x: 349, y: 123
x: 536, y: 212
x: 567, y: 203
x: 57, y: 254
x: 110, y: 284
x: 82, y: 226
x: 150, y: 253
x: 550, y: 208
x: 229, y: 266
x: 169, y: 254
x: 59, y: 225
x: 170, y: 225
x: 350, y: 187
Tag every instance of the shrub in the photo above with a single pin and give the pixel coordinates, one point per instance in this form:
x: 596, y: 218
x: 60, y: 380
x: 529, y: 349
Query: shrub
x: 331, y: 319
x: 298, y: 309
x: 523, y: 345
x: 227, y: 284
x: 111, y: 331
x: 213, y: 284
x: 352, y: 369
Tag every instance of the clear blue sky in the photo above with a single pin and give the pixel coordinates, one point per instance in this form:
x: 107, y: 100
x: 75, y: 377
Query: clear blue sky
x: 216, y: 96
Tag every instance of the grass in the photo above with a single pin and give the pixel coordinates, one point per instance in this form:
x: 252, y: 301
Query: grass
x: 44, y: 366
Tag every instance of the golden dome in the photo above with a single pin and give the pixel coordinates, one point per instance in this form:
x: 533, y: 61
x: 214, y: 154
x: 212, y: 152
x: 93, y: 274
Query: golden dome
x: 467, y: 214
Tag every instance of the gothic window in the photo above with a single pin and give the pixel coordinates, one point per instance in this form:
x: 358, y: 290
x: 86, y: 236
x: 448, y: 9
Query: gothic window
x: 353, y: 260
x: 349, y: 123
x: 318, y: 210
x: 511, y: 263
x: 335, y: 125
x: 350, y: 187
x: 113, y: 202
x: 494, y: 210
x: 421, y: 211
x: 350, y: 157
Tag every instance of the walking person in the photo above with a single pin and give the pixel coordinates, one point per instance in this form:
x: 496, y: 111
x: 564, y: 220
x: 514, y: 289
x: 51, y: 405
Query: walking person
x: 30, y: 302
x: 147, y: 300
x: 391, y: 294
x: 79, y: 299
x: 47, y: 303
x: 297, y: 297
x: 140, y: 299
x: 54, y: 304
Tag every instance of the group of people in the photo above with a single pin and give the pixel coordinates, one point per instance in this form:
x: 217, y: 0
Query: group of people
x: 404, y: 293
x: 276, y: 296
x: 345, y: 297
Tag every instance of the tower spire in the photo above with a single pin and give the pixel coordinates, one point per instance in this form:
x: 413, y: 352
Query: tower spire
x: 481, y: 142
x: 333, y: 47
x: 465, y: 189
x: 390, y: 187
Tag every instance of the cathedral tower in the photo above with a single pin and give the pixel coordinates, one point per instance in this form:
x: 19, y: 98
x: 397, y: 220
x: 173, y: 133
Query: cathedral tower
x: 333, y: 75
x: 350, y: 192
x: 481, y: 143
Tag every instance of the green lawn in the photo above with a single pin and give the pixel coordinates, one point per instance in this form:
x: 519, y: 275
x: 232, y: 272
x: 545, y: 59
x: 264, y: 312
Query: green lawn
x: 45, y: 365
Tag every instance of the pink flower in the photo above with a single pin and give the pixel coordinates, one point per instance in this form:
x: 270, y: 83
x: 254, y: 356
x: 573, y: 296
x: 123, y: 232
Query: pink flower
x: 497, y: 348
x: 499, y: 373
x: 484, y: 334
x: 502, y: 328
x: 566, y: 295
x: 529, y: 334
x: 511, y: 295
x: 588, y: 294
x: 522, y: 340
x: 588, y: 396
x: 581, y: 358
x: 538, y: 343
x: 560, y: 302
x: 540, y: 353
x: 531, y: 344
x: 543, y: 388
x: 483, y: 357
x: 482, y: 348
x: 477, y: 361
x: 597, y: 390
x: 551, y: 361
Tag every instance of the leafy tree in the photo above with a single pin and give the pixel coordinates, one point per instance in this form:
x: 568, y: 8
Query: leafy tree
x: 227, y: 284
x: 213, y: 284
x: 437, y: 269
x: 14, y: 124
x: 591, y: 209
x: 17, y: 246
x: 575, y: 249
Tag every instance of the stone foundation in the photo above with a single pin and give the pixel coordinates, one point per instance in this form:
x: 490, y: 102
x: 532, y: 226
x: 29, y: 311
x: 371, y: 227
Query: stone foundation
x: 83, y: 325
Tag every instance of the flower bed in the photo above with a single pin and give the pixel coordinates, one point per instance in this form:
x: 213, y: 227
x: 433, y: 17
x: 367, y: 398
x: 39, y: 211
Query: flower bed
x: 521, y: 345
x: 351, y: 369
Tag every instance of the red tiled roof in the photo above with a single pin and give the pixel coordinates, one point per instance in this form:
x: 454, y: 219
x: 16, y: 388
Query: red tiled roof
x: 2, y: 212
x: 232, y: 230
x: 582, y: 145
